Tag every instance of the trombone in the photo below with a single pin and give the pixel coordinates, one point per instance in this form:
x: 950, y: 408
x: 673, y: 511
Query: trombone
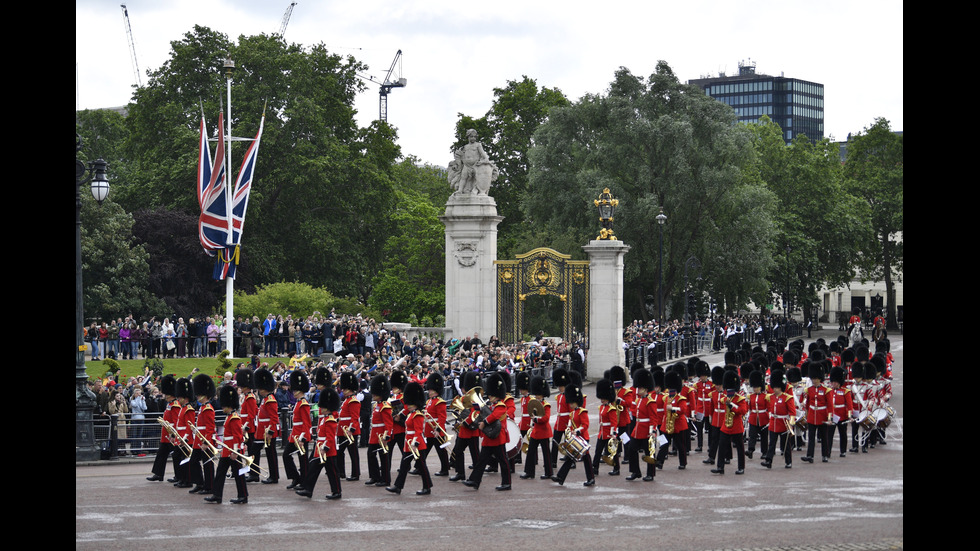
x: 207, y: 447
x: 172, y: 431
x: 441, y: 435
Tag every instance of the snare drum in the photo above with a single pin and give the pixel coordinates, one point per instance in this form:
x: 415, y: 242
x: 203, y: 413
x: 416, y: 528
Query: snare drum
x: 882, y: 417
x: 574, y: 447
x: 865, y: 420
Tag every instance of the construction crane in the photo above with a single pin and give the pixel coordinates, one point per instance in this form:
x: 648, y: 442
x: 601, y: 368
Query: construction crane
x: 387, y: 85
x: 285, y: 20
x: 132, y: 45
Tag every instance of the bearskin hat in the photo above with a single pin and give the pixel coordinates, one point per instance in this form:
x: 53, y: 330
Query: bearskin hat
x: 348, y: 381
x: 818, y: 355
x: 862, y: 354
x: 633, y: 367
x: 604, y: 390
x: 329, y: 400
x: 299, y: 381
x: 245, y: 378
x: 560, y: 377
x: 815, y: 371
x: 717, y: 375
x: 184, y: 389
x: 745, y: 369
x: 731, y: 358
x: 790, y: 358
x: 414, y: 395
x: 702, y: 369
x: 204, y: 386
x: 776, y: 379
x: 379, y: 386
x: 523, y: 380
x: 539, y: 386
x: 878, y: 361
x: 673, y: 381
x: 398, y: 380
x: 228, y: 397
x: 470, y: 379
x: 794, y: 375
x: 168, y: 385
x: 574, y: 379
x: 264, y: 380
x: 837, y: 375
x: 321, y: 376
x: 847, y: 356
x: 756, y: 379
x: 435, y: 381
x: 658, y: 378
x: 730, y: 381
x: 642, y: 378
x: 617, y: 375
x: 573, y: 394
x: 495, y: 386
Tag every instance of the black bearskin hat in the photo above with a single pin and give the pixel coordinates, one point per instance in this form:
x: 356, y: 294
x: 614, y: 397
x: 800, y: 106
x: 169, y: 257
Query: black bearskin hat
x: 756, y: 379
x: 348, y: 381
x: 642, y: 378
x: 523, y: 380
x: 673, y: 381
x: 604, y: 390
x: 730, y: 381
x: 245, y: 378
x: 228, y: 397
x: 398, y: 380
x: 204, y: 386
x: 573, y: 394
x: 495, y: 386
x: 379, y: 387
x: 560, y: 377
x: 414, y: 395
x: 539, y: 386
x: 168, y: 385
x: 264, y: 380
x: 299, y: 381
x: 184, y: 389
x: 329, y: 401
x: 435, y: 381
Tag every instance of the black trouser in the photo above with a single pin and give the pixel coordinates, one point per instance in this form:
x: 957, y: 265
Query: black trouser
x: 160, y: 461
x: 355, y: 459
x: 420, y: 467
x: 499, y: 455
x: 681, y: 440
x: 586, y: 460
x: 813, y: 433
x: 714, y: 434
x: 224, y: 464
x: 201, y: 475
x: 780, y: 441
x: 842, y: 434
x: 433, y: 443
x: 313, y: 473
x: 270, y: 454
x: 379, y: 464
x: 532, y: 457
x: 726, y: 441
x: 699, y: 430
x: 758, y: 432
x: 635, y: 446
x: 292, y: 473
x: 458, y: 458
x: 600, y: 452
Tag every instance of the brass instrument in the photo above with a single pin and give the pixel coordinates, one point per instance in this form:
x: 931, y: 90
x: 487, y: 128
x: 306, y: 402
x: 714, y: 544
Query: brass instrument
x: 492, y: 430
x: 172, y: 431
x: 671, y: 415
x: 382, y: 443
x: 650, y: 456
x: 526, y: 442
x: 350, y: 437
x: 536, y: 409
x: 729, y: 413
x: 440, y: 433
x: 207, y: 447
x: 612, y: 448
x: 245, y: 460
x: 414, y: 449
x: 296, y: 442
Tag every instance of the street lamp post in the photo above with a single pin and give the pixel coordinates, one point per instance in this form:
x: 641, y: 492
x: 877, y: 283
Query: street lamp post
x: 661, y: 219
x: 94, y: 172
x: 786, y: 297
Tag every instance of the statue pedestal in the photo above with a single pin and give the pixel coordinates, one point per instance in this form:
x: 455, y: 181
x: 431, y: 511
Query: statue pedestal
x: 471, y: 247
x: 605, y: 306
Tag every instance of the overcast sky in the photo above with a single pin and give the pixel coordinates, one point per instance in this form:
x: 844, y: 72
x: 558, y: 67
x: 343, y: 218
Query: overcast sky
x: 455, y: 53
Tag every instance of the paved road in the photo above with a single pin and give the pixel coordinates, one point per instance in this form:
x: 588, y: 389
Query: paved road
x: 856, y: 502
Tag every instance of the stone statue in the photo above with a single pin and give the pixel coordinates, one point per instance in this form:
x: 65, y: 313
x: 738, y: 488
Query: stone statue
x: 471, y: 171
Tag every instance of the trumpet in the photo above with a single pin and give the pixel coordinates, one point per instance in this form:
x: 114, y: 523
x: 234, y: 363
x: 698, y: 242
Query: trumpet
x: 296, y: 442
x: 206, y: 445
x: 382, y: 443
x: 441, y: 435
x: 350, y: 437
x: 172, y: 431
x: 414, y: 448
x: 245, y: 460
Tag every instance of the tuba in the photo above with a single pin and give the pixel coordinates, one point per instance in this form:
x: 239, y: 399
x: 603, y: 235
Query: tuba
x: 492, y: 430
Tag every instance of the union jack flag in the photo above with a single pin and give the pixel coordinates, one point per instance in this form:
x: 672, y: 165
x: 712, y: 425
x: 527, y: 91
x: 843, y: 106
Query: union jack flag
x: 213, y: 222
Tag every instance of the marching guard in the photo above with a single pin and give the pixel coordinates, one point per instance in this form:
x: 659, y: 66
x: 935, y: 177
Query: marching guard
x: 232, y: 444
x: 350, y: 426
x: 414, y: 398
x: 493, y: 446
x: 301, y: 433
x: 325, y: 451
x: 201, y: 468
x: 576, y: 438
x: 782, y: 417
x: 378, y: 453
x: 540, y: 432
x: 168, y: 387
x: 267, y: 423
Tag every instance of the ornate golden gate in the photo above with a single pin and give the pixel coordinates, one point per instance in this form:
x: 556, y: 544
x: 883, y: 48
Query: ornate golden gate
x: 542, y: 272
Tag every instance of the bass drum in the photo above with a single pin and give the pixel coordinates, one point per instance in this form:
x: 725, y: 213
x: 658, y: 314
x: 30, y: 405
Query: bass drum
x: 513, y: 439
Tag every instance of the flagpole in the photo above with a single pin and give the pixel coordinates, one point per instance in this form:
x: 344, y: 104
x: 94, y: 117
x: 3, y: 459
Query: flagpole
x: 229, y: 192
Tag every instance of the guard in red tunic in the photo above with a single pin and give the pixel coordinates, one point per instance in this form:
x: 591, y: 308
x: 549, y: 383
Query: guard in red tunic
x: 186, y: 416
x: 609, y: 413
x: 841, y: 407
x: 168, y: 387
x: 702, y: 402
x: 540, y: 431
x: 817, y: 402
x: 249, y: 409
x: 325, y: 453
x: 378, y: 452
x: 468, y: 434
x: 435, y: 423
x: 493, y: 446
x: 624, y: 399
x: 732, y: 429
x: 398, y: 380
x: 350, y: 426
x: 674, y: 425
x: 301, y: 433
x: 578, y: 428
x: 267, y: 423
x: 232, y: 449
x: 782, y: 417
x: 561, y: 380
x: 201, y: 467
x: 522, y: 381
x: 414, y: 441
x: 758, y: 415
x: 644, y: 427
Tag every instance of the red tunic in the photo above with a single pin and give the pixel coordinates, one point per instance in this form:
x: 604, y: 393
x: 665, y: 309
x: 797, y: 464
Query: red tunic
x: 399, y: 420
x: 436, y: 409
x: 302, y: 422
x: 645, y: 412
x: 740, y: 406
x: 268, y: 418
x: 498, y: 412
x: 717, y: 411
x: 816, y: 402
x: 759, y: 409
x: 841, y: 403
x: 170, y: 415
x: 250, y: 412
x: 205, y: 426
x: 326, y: 433
x: 381, y: 422
x: 186, y: 418
x: 414, y: 429
x: 350, y: 416
x: 608, y: 421
x: 680, y: 405
x: 626, y: 397
x: 702, y: 398
x: 525, y: 424
x: 781, y: 409
x: 234, y: 436
x: 562, y: 420
x: 541, y: 427
x: 579, y: 422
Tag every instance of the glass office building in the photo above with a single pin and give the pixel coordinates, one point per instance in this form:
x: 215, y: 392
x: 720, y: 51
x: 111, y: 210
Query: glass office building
x: 795, y: 105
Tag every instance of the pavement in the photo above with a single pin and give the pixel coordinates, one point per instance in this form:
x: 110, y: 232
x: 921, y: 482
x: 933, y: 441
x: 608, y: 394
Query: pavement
x: 855, y: 502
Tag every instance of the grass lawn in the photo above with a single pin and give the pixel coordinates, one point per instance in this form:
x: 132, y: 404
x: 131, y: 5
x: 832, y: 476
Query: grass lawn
x: 179, y: 367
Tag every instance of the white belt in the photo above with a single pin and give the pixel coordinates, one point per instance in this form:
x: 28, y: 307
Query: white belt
x: 606, y: 424
x: 562, y: 414
x: 643, y: 420
x: 345, y: 418
x: 378, y: 425
x: 200, y: 427
x: 263, y: 419
x: 818, y: 407
x: 758, y: 411
x: 410, y: 432
x: 226, y: 438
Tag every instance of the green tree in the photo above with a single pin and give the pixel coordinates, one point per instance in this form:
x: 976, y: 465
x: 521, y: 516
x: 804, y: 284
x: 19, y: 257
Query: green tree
x: 507, y: 133
x: 874, y: 173
x: 820, y: 223
x: 321, y: 197
x: 657, y: 143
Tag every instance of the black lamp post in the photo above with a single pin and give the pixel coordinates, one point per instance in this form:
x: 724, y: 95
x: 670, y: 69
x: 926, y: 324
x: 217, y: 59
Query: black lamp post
x: 786, y: 298
x: 94, y: 172
x: 661, y: 219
